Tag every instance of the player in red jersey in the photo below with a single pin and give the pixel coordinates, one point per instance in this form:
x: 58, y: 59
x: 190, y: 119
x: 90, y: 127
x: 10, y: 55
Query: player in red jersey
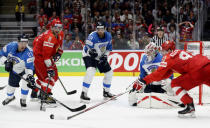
x: 47, y: 50
x: 194, y: 71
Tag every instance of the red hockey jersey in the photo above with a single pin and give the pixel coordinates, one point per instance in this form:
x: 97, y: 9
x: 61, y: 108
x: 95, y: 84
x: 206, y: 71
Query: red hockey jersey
x: 46, y: 44
x: 178, y: 61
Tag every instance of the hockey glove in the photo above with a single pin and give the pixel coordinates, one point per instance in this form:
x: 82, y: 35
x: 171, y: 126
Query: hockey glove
x: 139, y: 85
x: 50, y: 72
x: 93, y: 53
x: 31, y: 80
x: 56, y: 57
x: 103, y: 60
x: 8, y: 65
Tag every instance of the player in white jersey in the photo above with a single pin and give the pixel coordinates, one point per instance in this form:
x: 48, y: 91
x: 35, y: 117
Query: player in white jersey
x: 97, y: 48
x: 18, y: 59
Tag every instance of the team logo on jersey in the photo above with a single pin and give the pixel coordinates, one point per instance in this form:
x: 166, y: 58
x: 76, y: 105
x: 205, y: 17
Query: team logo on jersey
x: 14, y: 60
x: 102, y: 47
x: 152, y: 68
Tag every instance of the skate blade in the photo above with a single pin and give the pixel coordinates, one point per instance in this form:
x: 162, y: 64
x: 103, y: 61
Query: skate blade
x: 24, y: 108
x: 84, y: 101
x: 51, y: 105
x: 42, y: 109
x: 188, y: 115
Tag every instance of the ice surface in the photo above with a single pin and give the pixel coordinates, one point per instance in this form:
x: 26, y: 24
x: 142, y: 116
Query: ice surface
x: 114, y: 114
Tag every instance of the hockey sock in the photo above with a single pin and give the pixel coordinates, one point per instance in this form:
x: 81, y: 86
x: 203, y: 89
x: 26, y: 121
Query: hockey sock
x: 182, y: 94
x: 10, y: 91
x: 106, y: 87
x: 85, y: 87
x: 24, y: 93
x: 24, y: 90
x: 186, y: 99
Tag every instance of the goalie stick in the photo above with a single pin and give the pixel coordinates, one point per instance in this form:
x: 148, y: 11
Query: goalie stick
x: 94, y: 106
x: 71, y: 109
x: 67, y: 93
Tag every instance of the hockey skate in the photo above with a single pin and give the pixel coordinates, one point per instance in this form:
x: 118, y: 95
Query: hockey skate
x: 34, y: 96
x: 47, y: 102
x: 189, y: 111
x: 23, y: 104
x: 8, y: 100
x: 108, y: 95
x: 84, y: 98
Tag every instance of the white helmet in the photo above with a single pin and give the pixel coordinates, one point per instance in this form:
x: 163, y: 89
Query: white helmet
x: 151, y: 50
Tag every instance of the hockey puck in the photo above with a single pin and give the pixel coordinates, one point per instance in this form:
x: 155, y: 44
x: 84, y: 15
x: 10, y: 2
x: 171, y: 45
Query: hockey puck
x: 52, y: 116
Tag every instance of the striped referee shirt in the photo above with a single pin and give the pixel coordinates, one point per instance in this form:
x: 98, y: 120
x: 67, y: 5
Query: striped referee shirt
x: 159, y: 41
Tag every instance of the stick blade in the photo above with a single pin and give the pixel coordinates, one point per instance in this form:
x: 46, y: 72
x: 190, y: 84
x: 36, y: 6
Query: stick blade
x: 72, y: 92
x: 1, y: 88
x: 79, y: 108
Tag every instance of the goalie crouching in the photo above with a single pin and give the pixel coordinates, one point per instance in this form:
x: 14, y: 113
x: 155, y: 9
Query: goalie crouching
x: 156, y: 94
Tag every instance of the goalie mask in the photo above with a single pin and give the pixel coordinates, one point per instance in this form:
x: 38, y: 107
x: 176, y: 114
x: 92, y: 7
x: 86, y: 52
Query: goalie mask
x: 151, y: 51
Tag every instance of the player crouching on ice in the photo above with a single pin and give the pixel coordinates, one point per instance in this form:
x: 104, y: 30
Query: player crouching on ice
x: 194, y: 71
x: 156, y: 94
x: 18, y: 59
x: 95, y: 53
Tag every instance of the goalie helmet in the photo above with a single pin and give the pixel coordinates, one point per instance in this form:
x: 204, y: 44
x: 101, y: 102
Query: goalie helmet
x: 151, y: 50
x: 168, y: 45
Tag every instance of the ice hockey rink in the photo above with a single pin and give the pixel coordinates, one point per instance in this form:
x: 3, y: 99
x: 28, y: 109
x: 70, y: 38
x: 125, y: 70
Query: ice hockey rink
x: 113, y: 114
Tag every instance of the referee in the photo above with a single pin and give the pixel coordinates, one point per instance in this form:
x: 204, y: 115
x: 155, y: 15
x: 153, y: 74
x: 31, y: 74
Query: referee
x: 160, y: 37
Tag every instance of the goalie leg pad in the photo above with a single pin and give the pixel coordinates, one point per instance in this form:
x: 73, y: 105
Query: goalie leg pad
x: 132, y: 98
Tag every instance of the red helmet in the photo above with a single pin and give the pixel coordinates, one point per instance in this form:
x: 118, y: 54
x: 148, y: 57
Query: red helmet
x: 168, y: 45
x: 56, y: 23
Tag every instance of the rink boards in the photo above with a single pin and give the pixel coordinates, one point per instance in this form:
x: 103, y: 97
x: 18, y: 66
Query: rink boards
x: 123, y: 63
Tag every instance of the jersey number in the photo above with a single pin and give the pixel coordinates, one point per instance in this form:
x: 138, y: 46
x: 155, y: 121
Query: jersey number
x: 184, y: 55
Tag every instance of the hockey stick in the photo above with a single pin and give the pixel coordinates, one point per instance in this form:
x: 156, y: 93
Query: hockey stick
x: 177, y: 103
x: 92, y: 107
x: 67, y: 93
x: 1, y: 88
x: 71, y: 109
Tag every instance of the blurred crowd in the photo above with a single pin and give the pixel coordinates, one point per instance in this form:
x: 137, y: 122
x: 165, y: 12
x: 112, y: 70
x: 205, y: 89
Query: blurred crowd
x: 131, y: 22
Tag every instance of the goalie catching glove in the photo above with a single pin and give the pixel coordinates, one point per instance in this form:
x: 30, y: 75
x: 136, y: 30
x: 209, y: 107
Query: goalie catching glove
x: 139, y: 85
